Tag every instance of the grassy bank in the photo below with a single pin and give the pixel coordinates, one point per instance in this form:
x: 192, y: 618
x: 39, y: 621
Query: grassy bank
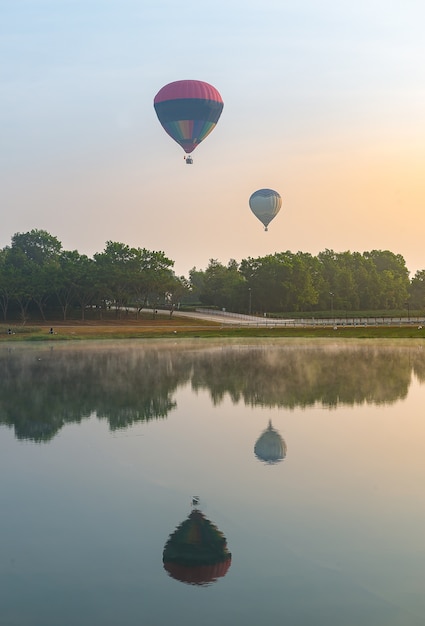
x: 190, y: 328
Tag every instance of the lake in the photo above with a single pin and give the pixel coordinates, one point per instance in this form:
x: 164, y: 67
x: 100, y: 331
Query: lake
x: 212, y: 482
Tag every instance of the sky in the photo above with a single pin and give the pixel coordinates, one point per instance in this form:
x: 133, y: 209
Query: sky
x: 323, y: 102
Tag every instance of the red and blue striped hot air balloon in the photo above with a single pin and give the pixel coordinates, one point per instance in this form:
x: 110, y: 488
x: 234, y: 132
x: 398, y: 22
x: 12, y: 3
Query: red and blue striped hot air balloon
x: 188, y: 111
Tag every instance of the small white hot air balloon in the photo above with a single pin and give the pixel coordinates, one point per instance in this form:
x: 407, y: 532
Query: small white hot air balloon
x: 265, y: 204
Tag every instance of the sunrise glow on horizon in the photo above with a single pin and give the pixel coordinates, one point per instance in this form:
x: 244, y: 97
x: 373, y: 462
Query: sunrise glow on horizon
x: 323, y: 104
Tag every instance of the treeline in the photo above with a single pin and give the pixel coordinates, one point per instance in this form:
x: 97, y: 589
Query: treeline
x: 330, y: 281
x: 38, y: 275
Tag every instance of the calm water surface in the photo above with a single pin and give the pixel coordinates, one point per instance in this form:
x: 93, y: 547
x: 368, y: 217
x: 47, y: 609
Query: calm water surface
x: 209, y: 483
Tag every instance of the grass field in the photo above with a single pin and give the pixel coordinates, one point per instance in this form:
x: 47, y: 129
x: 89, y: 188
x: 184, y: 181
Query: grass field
x: 165, y: 327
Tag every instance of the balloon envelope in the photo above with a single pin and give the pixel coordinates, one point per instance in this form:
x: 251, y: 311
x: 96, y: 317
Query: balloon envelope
x: 196, y: 553
x: 270, y: 447
x: 188, y: 111
x: 265, y: 204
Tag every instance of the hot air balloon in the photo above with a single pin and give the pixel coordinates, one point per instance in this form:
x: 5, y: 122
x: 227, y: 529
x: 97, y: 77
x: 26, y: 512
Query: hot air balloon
x: 265, y: 204
x: 196, y: 553
x: 188, y: 111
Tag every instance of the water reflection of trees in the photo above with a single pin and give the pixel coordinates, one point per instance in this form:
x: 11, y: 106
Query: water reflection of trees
x: 41, y: 389
x: 418, y: 365
x: 303, y: 375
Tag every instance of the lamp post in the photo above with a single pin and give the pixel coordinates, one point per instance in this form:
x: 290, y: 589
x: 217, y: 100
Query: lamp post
x: 332, y: 303
x: 250, y: 299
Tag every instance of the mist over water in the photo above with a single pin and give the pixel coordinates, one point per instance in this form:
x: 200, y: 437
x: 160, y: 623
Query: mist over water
x: 150, y: 481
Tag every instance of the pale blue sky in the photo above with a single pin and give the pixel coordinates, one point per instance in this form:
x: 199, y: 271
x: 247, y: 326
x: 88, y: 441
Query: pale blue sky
x: 324, y: 102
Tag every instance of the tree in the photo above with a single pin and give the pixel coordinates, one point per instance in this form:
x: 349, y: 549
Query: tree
x: 85, y: 284
x: 306, y: 282
x: 283, y: 281
x: 133, y: 276
x: 115, y: 269
x: 393, y: 278
x: 68, y: 280
x: 6, y: 284
x: 154, y: 279
x: 35, y: 256
x: 37, y: 246
x: 222, y: 286
x: 417, y: 290
x: 19, y: 275
x: 196, y: 282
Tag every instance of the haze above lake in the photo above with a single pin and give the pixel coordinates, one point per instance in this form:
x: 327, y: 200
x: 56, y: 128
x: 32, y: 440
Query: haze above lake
x: 210, y: 481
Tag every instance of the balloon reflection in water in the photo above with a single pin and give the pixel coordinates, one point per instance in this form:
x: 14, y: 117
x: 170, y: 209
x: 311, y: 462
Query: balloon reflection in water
x: 270, y: 446
x: 196, y: 552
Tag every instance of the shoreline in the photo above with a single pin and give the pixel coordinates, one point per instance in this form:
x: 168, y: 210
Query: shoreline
x: 193, y: 328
